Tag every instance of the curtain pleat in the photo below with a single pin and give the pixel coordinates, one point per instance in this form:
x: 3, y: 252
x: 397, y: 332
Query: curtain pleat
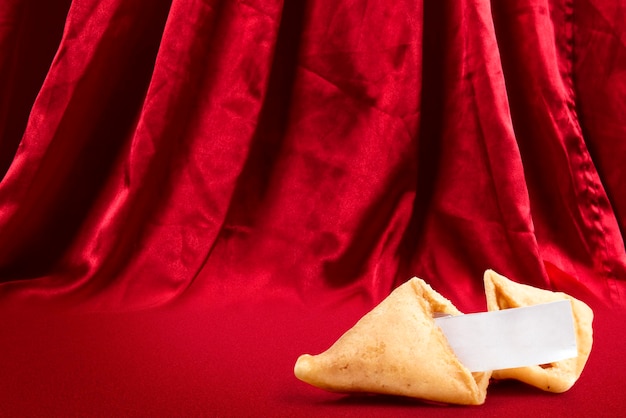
x: 318, y: 150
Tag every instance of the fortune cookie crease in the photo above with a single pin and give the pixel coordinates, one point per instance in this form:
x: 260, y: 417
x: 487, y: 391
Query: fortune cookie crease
x: 397, y: 349
x: 558, y: 376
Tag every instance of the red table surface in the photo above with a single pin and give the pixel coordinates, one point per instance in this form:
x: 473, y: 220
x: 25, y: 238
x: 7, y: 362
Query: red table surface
x: 236, y: 359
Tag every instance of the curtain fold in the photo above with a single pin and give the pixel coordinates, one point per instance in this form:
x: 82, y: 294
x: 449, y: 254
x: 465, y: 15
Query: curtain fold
x: 317, y: 150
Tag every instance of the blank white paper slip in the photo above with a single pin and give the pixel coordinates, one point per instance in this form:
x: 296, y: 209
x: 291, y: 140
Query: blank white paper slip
x: 516, y: 337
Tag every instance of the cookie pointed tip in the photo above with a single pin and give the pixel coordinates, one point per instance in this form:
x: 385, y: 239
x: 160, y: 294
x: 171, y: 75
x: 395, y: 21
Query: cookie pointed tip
x: 303, y: 366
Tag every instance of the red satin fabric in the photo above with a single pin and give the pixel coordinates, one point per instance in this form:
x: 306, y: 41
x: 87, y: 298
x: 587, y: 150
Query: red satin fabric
x: 319, y: 153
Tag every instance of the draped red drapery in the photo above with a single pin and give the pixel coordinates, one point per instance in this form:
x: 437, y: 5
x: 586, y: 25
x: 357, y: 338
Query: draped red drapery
x: 302, y: 158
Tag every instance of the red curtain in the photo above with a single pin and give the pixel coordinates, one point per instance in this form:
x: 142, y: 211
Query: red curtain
x: 308, y: 154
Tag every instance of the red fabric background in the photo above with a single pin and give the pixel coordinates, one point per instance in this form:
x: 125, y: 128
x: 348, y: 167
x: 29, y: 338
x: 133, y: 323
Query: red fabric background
x: 195, y: 192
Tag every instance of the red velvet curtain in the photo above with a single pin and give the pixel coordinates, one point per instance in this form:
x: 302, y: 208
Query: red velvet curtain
x: 313, y: 152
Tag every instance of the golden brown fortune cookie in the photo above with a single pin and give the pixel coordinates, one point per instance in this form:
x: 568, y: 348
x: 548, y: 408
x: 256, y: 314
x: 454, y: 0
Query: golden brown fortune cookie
x: 558, y: 376
x: 397, y: 349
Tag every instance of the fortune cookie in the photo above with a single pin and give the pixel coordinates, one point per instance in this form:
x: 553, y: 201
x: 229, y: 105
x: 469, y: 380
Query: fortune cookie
x: 559, y: 376
x: 397, y: 349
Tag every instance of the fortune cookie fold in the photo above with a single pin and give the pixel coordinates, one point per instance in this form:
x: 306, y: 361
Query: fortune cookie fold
x: 558, y: 376
x: 397, y: 349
